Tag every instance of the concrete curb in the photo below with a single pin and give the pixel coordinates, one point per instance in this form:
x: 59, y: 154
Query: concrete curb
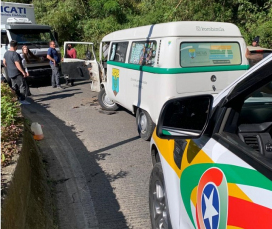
x: 28, y: 203
x: 74, y: 202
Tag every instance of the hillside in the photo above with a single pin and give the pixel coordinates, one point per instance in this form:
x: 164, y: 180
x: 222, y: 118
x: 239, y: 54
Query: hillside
x: 90, y: 20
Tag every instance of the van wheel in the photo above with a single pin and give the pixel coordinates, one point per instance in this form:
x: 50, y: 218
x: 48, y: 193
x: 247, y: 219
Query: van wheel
x: 158, y: 205
x: 5, y: 74
x: 144, y: 124
x: 105, y: 101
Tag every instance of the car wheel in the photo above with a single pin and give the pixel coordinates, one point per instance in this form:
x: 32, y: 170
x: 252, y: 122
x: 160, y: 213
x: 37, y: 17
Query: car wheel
x: 144, y: 124
x: 105, y: 101
x: 158, y: 206
x: 5, y: 74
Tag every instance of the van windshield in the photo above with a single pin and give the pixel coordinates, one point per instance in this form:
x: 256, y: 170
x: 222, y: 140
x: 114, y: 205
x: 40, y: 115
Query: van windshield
x: 199, y: 54
x: 34, y: 38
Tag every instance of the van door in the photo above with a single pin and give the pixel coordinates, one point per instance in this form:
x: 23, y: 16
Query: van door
x: 103, y: 57
x: 81, y: 64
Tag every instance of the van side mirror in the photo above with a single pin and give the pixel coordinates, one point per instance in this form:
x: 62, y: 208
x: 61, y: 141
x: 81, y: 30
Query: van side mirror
x: 184, y: 118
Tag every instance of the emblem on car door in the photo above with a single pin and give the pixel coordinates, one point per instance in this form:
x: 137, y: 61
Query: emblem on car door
x: 212, y: 199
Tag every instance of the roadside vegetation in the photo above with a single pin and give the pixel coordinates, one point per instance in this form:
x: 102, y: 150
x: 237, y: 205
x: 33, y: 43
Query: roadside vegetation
x: 11, y: 124
x: 90, y: 20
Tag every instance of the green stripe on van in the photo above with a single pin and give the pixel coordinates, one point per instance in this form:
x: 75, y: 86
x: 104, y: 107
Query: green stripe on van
x: 179, y: 70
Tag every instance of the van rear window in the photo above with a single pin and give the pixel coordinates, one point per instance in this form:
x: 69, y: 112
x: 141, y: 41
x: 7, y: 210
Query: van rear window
x: 199, y: 54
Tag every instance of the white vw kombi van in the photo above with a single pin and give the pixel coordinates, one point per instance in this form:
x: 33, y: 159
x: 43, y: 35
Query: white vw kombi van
x: 146, y: 66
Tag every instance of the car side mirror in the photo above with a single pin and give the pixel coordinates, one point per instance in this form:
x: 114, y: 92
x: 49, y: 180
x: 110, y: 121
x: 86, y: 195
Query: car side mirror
x: 184, y: 118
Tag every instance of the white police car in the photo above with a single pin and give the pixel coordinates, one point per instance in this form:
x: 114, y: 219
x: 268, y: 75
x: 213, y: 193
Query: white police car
x: 213, y: 157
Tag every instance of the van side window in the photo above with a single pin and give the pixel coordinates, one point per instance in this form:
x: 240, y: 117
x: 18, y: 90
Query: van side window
x: 201, y: 54
x: 118, y: 51
x: 4, y: 39
x: 143, y: 53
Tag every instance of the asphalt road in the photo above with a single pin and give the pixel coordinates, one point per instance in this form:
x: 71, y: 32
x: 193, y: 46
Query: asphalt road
x: 98, y: 163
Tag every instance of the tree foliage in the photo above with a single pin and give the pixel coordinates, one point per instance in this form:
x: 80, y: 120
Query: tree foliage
x: 90, y: 20
x: 10, y: 106
x: 11, y: 123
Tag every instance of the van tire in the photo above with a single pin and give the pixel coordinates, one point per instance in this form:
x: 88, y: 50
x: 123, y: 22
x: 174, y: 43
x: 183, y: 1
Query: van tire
x: 4, y: 71
x: 105, y: 102
x: 158, y: 203
x: 144, y: 124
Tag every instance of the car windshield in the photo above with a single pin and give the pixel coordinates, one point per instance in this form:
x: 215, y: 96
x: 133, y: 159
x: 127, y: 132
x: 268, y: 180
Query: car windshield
x: 34, y: 38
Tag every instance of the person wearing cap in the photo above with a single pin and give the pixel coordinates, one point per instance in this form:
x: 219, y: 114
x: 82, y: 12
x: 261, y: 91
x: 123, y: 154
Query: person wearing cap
x: 256, y: 57
x: 255, y: 41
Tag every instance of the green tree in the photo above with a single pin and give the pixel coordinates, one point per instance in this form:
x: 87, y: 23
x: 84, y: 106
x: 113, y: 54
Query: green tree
x: 90, y: 20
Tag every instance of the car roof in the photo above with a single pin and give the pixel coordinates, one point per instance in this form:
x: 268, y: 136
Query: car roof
x: 242, y: 78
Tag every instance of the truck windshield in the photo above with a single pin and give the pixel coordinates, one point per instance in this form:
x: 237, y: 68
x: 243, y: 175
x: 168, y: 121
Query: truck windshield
x: 34, y: 38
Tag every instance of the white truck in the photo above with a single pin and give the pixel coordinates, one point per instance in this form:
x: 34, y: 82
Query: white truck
x: 18, y: 23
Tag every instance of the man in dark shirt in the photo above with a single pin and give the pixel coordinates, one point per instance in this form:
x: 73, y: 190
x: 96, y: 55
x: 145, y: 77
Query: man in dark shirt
x: 54, y: 58
x: 13, y: 61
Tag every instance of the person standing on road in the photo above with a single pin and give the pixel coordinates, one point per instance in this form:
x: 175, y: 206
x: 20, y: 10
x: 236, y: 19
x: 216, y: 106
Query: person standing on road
x: 54, y: 58
x: 26, y: 56
x: 70, y: 53
x: 13, y: 61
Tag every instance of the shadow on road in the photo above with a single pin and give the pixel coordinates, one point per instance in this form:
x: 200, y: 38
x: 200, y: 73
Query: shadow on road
x: 115, y: 145
x: 58, y: 147
x: 57, y: 96
x: 47, y: 82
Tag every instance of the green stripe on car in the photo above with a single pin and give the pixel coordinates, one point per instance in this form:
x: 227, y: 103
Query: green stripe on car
x: 234, y: 174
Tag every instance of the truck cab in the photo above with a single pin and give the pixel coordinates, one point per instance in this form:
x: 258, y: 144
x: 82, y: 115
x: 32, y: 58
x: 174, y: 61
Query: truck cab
x: 23, y: 29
